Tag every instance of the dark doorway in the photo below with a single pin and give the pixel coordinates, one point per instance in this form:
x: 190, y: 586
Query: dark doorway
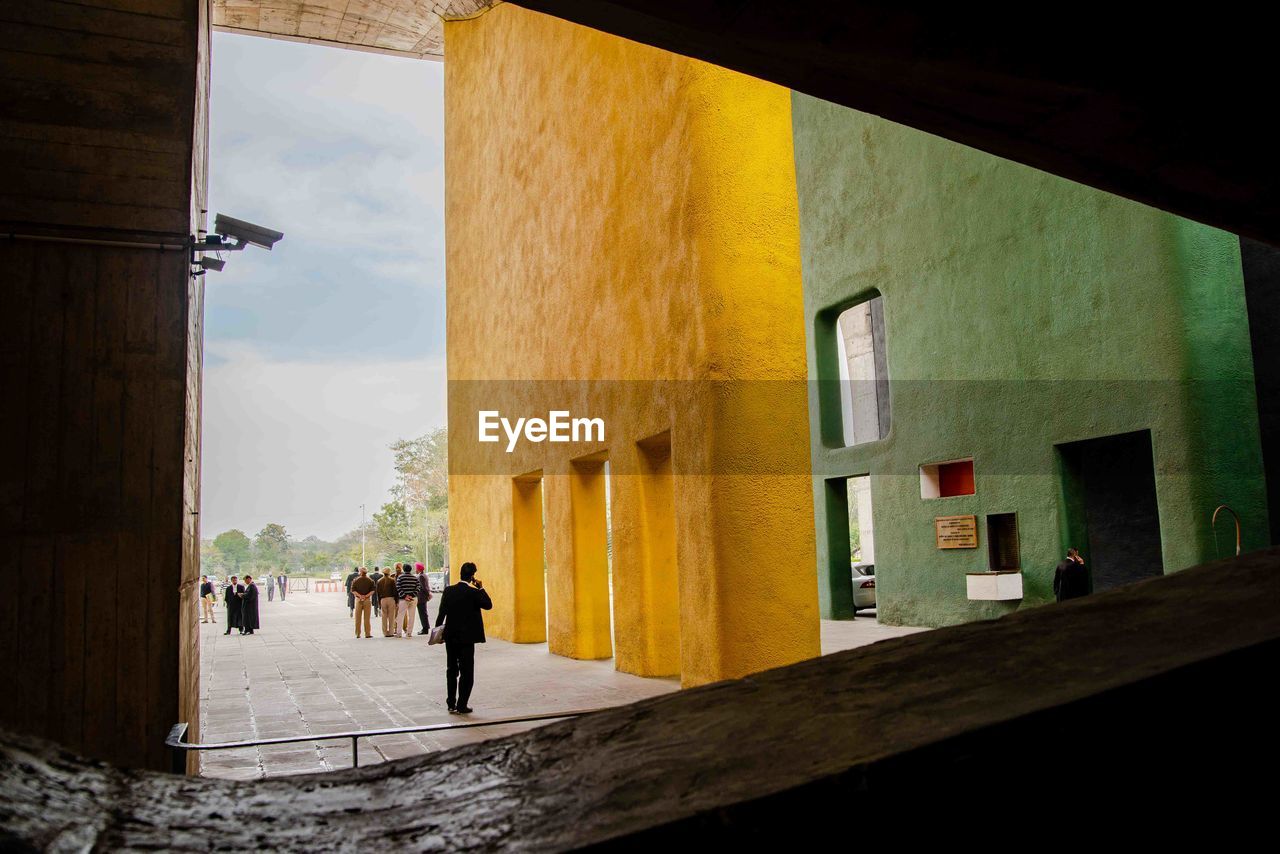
x: 1261, y: 265
x: 1112, y: 515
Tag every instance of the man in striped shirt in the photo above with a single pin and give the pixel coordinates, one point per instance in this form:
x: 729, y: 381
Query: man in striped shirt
x: 407, y: 592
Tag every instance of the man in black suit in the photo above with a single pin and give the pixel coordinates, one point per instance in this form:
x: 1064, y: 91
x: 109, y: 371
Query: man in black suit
x: 460, y: 607
x: 1071, y: 579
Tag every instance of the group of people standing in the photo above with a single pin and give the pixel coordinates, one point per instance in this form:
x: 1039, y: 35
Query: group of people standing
x: 241, y: 601
x: 397, y: 596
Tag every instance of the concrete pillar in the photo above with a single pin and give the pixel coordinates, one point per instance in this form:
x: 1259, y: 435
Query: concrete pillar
x: 99, y: 427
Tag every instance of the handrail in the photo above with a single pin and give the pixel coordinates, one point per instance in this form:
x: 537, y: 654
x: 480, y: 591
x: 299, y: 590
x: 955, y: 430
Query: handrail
x: 1213, y: 523
x: 179, y: 732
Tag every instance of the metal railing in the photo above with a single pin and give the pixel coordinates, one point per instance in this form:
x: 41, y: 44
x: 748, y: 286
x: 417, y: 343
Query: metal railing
x: 180, y: 747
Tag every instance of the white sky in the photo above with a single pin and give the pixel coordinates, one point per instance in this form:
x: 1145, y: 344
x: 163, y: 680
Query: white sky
x: 322, y: 352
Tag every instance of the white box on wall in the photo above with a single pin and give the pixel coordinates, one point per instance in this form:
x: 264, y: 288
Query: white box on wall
x: 994, y: 586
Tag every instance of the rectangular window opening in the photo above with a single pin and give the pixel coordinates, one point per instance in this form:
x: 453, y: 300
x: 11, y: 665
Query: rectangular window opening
x: 855, y: 340
x: 948, y: 479
x: 1002, y: 542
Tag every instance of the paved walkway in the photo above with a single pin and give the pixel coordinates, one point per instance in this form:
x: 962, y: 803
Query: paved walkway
x: 847, y: 634
x: 305, y: 672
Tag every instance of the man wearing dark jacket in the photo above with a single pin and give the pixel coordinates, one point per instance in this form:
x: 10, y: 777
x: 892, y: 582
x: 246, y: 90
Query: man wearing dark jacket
x: 460, y: 607
x: 206, y: 600
x: 407, y: 593
x: 351, y: 597
x: 231, y: 596
x: 1071, y: 579
x: 376, y: 601
x: 424, y: 596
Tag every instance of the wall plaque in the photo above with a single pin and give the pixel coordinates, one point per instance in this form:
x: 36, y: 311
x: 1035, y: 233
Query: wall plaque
x: 956, y: 532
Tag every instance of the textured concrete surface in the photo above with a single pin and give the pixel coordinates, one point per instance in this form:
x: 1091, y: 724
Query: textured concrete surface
x: 100, y: 430
x: 406, y: 27
x: 1021, y: 311
x: 1091, y: 696
x: 1133, y: 117
x: 623, y: 244
x: 305, y: 672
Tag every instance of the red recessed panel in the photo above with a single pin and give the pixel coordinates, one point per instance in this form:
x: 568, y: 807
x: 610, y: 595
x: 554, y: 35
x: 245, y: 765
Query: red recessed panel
x: 955, y: 479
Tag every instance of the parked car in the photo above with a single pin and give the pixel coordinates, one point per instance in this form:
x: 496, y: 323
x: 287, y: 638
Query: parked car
x: 335, y: 576
x: 864, y: 586
x: 435, y: 581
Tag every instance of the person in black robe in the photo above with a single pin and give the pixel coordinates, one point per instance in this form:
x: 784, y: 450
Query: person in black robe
x: 231, y: 598
x: 351, y: 597
x: 1071, y: 579
x: 249, y: 606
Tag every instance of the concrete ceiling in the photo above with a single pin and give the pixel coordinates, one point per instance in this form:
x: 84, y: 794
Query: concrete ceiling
x: 400, y: 27
x: 1174, y: 110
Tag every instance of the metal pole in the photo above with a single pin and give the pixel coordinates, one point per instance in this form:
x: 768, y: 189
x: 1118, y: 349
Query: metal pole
x: 355, y: 752
x: 178, y: 754
x: 362, y: 560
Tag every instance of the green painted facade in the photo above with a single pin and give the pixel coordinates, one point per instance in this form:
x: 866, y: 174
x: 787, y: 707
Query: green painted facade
x: 1021, y: 311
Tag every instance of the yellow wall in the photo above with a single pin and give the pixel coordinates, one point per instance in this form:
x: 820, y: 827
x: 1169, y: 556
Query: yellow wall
x: 623, y: 243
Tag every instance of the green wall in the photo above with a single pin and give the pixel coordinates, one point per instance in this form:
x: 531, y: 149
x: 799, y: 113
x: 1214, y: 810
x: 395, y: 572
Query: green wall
x: 1021, y: 311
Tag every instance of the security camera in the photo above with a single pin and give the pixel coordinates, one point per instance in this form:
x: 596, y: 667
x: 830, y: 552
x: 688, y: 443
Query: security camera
x: 231, y: 235
x: 246, y: 232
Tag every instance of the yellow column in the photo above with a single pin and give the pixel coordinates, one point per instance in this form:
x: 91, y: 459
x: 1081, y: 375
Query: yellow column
x: 619, y: 217
x: 646, y: 583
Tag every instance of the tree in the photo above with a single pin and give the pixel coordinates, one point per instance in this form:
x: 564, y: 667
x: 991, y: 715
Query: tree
x: 234, y: 547
x: 437, y: 537
x: 422, y: 470
x: 211, y: 560
x: 395, y: 528
x: 272, y: 545
x: 422, y: 485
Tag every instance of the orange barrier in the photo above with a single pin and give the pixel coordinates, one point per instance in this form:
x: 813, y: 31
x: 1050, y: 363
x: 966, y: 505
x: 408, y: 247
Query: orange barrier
x: 328, y: 586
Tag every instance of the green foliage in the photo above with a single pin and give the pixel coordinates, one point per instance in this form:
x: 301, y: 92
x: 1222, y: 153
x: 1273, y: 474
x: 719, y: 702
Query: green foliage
x: 234, y: 548
x: 271, y: 547
x: 855, y: 531
x: 413, y: 526
x: 422, y: 489
x: 422, y: 470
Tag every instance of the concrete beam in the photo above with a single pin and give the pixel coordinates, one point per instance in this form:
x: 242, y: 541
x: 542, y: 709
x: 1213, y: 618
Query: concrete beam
x: 1167, y: 109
